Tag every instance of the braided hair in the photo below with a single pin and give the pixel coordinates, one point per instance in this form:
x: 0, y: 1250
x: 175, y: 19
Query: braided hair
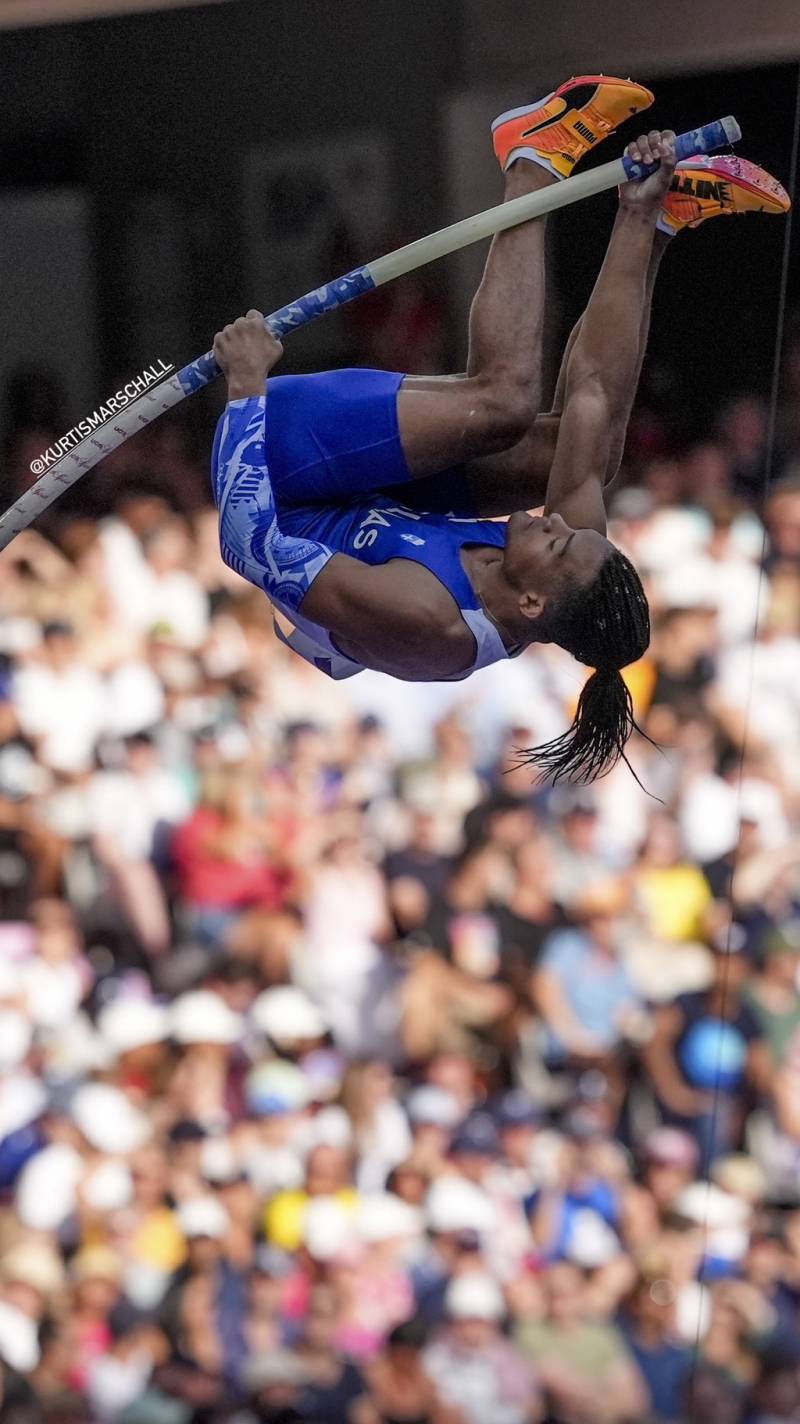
x: 605, y: 625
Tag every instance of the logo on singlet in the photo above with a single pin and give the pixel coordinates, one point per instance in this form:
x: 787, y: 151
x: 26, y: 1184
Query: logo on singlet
x: 412, y: 539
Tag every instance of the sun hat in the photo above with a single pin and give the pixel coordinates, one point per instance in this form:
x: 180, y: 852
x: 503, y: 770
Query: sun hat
x: 127, y: 1024
x: 455, y: 1204
x: 201, y: 1016
x: 474, y: 1296
x: 287, y: 1015
x: 203, y: 1216
x: 108, y: 1119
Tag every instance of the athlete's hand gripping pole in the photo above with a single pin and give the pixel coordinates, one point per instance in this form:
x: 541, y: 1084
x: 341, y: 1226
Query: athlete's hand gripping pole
x: 147, y: 407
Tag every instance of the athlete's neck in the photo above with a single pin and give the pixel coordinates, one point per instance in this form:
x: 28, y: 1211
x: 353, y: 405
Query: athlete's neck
x: 483, y: 564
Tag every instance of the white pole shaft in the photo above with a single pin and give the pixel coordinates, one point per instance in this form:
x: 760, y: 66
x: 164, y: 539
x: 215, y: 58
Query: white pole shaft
x: 88, y: 453
x: 486, y: 224
x: 56, y: 479
x: 72, y: 466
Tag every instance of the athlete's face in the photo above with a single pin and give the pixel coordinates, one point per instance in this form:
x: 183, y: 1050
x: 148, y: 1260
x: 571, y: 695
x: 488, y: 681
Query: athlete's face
x: 544, y: 555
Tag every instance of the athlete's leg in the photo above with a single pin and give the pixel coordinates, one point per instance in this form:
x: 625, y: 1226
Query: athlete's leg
x: 517, y: 478
x: 447, y: 420
x: 336, y: 434
x: 447, y: 423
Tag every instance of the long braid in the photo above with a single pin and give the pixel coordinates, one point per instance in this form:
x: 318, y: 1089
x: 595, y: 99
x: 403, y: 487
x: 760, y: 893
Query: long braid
x: 606, y: 626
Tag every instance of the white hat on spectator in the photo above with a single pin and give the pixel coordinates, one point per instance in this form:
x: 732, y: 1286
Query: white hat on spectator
x: 474, y: 1296
x: 47, y: 1187
x: 127, y: 1024
x: 692, y: 1311
x: 287, y: 1015
x: 109, y: 1186
x: 21, y: 775
x: 219, y: 1162
x: 592, y: 1242
x: 275, y: 1087
x: 327, y: 1228
x: 728, y: 1243
x: 19, y: 1339
x: 16, y: 1037
x: 201, y: 1016
x: 382, y: 1216
x: 332, y: 1126
x: 20, y: 635
x: 11, y: 984
x: 433, y: 1106
x: 203, y: 1216
x: 742, y: 1176
x: 23, y: 1098
x: 687, y: 585
x: 454, y: 1204
x: 708, y: 1205
x: 35, y: 1264
x: 108, y: 1120
x: 762, y: 803
x: 274, y: 1169
x: 75, y: 1048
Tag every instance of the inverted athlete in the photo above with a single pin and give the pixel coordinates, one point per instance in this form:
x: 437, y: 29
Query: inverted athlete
x: 362, y: 502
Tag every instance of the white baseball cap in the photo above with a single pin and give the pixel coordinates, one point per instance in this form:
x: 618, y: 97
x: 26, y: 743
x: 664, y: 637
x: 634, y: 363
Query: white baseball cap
x: 455, y: 1204
x: 108, y: 1120
x: 16, y: 1037
x: 23, y: 1098
x: 47, y: 1187
x: 327, y: 1228
x: 201, y: 1016
x: 592, y: 1242
x: 203, y: 1216
x: 382, y: 1216
x: 475, y: 1296
x: 708, y: 1205
x: 287, y: 1015
x: 126, y: 1024
x: 19, y: 1340
x: 433, y: 1105
x: 109, y: 1186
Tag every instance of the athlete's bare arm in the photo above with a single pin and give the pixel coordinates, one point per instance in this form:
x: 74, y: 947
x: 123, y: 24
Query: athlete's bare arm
x: 397, y: 616
x: 605, y: 359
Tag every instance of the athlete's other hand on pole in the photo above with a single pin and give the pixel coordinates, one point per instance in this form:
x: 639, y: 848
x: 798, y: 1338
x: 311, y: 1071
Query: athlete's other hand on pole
x: 246, y: 350
x: 647, y: 194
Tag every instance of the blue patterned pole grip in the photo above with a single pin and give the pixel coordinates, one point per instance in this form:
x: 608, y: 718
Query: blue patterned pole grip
x: 314, y: 304
x: 702, y: 140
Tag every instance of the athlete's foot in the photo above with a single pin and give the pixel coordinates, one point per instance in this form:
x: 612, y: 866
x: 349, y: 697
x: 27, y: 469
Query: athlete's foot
x: 558, y: 130
x: 709, y: 187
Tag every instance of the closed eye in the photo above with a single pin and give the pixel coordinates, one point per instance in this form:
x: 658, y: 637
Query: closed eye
x: 567, y: 543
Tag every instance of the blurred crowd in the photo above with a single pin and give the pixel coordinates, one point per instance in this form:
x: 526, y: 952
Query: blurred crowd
x: 346, y: 1075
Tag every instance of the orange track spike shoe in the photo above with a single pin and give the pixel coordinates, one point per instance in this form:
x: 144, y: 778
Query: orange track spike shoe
x: 706, y: 187
x: 557, y: 131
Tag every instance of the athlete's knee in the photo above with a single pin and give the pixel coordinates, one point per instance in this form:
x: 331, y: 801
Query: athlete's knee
x: 507, y: 407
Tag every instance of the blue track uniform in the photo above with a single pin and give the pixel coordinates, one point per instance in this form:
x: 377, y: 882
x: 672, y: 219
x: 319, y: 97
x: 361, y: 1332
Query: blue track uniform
x: 315, y: 468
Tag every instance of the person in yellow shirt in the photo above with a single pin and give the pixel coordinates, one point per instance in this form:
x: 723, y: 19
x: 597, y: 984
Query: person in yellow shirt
x: 673, y: 893
x: 328, y: 1174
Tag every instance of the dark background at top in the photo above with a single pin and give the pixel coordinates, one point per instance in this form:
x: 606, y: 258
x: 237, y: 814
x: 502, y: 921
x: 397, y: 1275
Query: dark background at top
x: 172, y: 101
x: 716, y: 306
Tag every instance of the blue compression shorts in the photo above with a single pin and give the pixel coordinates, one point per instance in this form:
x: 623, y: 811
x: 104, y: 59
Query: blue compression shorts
x: 332, y: 437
